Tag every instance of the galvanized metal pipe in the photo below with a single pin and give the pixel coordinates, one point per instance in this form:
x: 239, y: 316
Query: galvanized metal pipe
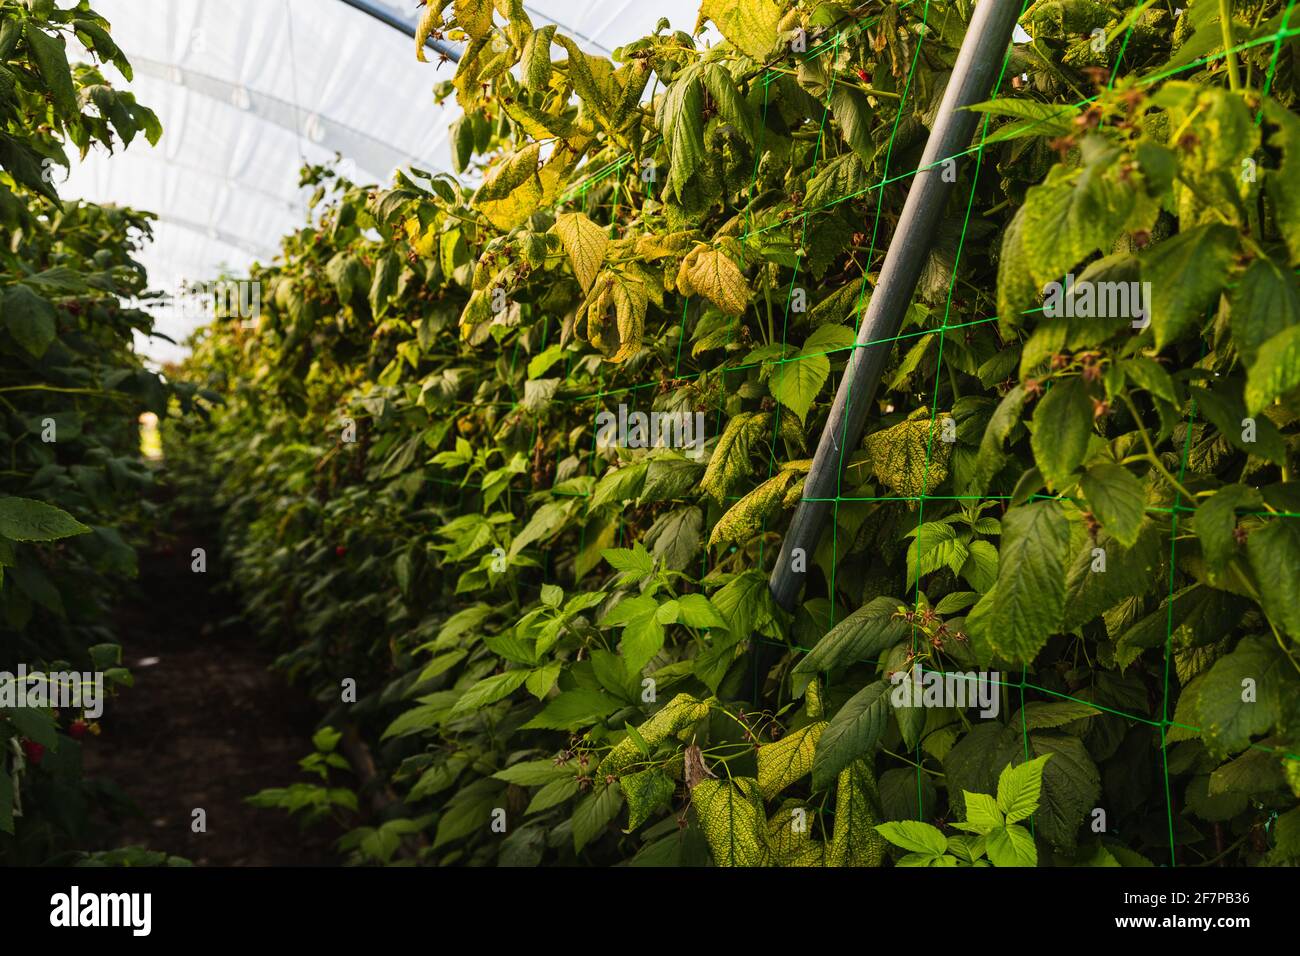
x: 978, y: 63
x: 384, y: 15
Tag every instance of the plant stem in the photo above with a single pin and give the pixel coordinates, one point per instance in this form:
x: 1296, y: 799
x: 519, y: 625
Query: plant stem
x: 1151, y: 451
x: 1225, y: 25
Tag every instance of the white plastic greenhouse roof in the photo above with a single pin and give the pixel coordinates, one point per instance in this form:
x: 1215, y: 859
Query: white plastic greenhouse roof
x: 247, y: 90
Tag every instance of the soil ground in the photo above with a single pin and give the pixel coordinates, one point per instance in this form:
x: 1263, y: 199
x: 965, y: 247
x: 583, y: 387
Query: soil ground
x: 206, y: 725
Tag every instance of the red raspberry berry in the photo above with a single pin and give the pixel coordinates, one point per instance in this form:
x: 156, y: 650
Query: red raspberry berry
x: 862, y: 75
x: 341, y: 550
x: 35, y: 752
x: 77, y: 729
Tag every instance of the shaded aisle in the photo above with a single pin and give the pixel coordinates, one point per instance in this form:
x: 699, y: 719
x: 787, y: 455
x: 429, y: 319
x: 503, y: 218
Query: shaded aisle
x: 206, y: 725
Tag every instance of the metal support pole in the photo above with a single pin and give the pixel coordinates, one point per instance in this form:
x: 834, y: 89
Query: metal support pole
x: 978, y: 63
x: 384, y: 15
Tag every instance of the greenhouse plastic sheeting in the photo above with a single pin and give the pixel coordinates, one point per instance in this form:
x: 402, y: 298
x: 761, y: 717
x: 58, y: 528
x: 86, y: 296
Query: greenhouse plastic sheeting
x: 247, y: 90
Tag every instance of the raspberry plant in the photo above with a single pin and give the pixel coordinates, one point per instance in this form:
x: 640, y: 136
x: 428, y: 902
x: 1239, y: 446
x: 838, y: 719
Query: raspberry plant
x: 71, y: 390
x: 567, y: 652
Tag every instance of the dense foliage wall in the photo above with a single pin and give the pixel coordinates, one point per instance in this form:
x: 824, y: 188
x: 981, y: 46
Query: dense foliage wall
x: 72, y: 482
x: 563, y: 648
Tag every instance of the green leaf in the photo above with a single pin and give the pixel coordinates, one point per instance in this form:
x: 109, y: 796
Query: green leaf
x: 790, y: 837
x: 52, y: 61
x: 669, y: 477
x: 594, y: 814
x: 1012, y: 846
x: 635, y: 560
x: 643, y: 631
x: 1019, y: 788
x: 680, y: 117
x: 23, y: 519
x: 384, y: 284
x: 915, y: 836
x: 1227, y: 413
x: 552, y: 795
x: 696, y: 610
x: 982, y: 813
x: 1204, y: 611
x: 1276, y: 372
x: 1265, y: 302
x: 1130, y: 572
x: 676, y: 718
x: 853, y: 114
x: 533, y: 773
x: 1037, y: 119
x: 730, y: 812
x: 1081, y: 209
x: 1274, y: 552
x: 1071, y: 787
x: 1148, y: 374
x: 864, y: 634
x: 1015, y: 619
x: 1187, y: 272
x: 541, y: 679
x: 545, y: 522
x: 28, y: 318
x: 1230, y: 709
x: 795, y: 383
x: 1253, y: 773
x: 1062, y: 426
x: 788, y: 759
x: 1117, y: 499
x: 992, y: 455
x: 1284, y: 184
x: 573, y: 709
x: 852, y: 733
x: 1216, y: 521
x: 1043, y: 715
x: 489, y: 691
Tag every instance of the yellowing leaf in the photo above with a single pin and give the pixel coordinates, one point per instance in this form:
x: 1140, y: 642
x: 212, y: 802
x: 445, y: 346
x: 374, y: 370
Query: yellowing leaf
x: 789, y: 835
x: 712, y: 274
x: 474, y: 17
x: 730, y: 814
x: 677, y: 716
x: 782, y: 763
x: 508, y: 175
x: 855, y: 841
x: 729, y: 463
x: 537, y: 123
x: 743, y: 519
x: 585, y: 242
x: 421, y: 242
x: 655, y: 246
x: 512, y: 191
x: 431, y: 18
x: 750, y: 25
x: 615, y: 311
x: 911, y: 458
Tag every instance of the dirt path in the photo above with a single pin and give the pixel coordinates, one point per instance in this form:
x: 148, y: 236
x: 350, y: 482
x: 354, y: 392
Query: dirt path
x: 206, y: 725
